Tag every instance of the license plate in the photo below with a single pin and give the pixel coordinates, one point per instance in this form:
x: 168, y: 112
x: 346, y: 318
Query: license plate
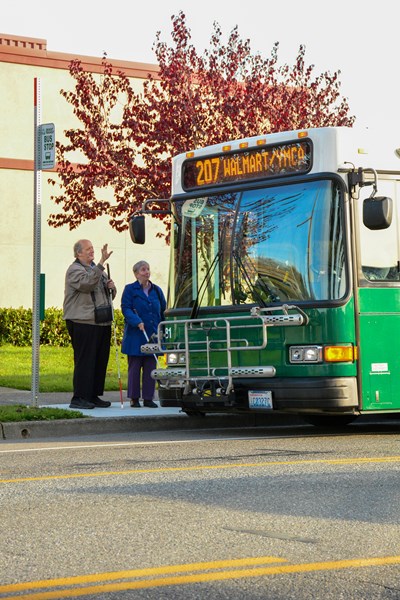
x: 260, y: 399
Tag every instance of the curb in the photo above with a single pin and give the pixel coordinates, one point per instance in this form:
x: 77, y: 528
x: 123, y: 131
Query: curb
x: 22, y: 430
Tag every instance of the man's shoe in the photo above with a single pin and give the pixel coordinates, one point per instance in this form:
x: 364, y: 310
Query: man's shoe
x: 150, y: 404
x: 81, y: 403
x: 99, y: 403
x: 135, y: 403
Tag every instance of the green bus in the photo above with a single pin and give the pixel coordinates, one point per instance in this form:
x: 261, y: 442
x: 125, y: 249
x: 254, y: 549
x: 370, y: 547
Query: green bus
x: 284, y: 285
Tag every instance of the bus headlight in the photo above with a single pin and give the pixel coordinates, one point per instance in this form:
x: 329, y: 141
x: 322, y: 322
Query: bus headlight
x: 305, y: 354
x: 175, y: 358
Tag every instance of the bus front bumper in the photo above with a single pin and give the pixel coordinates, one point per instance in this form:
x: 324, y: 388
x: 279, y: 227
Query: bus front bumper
x: 312, y: 395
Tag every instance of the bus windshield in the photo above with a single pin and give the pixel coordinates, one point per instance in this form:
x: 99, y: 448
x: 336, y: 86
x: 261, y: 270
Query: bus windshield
x: 261, y: 246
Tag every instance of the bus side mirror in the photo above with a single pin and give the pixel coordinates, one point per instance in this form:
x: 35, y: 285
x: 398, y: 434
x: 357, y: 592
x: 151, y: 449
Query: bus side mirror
x: 377, y: 212
x: 137, y: 229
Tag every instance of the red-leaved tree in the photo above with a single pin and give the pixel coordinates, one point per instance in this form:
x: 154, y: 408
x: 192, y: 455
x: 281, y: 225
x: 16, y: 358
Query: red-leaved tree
x: 127, y: 138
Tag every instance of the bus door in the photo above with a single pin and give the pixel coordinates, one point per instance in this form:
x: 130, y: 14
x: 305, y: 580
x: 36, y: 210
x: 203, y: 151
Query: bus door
x: 379, y: 308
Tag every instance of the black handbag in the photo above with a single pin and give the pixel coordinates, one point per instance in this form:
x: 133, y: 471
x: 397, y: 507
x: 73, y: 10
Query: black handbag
x: 103, y: 313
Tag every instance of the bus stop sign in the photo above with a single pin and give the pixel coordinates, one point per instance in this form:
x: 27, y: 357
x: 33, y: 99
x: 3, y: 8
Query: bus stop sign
x: 47, y: 146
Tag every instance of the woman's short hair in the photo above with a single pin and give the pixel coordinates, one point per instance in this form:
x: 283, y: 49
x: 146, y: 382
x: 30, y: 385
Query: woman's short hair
x: 137, y: 266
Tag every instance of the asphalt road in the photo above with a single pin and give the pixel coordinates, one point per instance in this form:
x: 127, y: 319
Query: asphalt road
x: 272, y: 514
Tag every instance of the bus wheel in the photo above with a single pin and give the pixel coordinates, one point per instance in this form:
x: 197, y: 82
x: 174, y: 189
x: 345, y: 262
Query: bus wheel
x: 194, y: 413
x: 329, y: 420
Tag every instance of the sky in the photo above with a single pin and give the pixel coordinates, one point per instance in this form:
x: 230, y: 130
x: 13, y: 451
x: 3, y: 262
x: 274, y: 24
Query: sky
x: 359, y: 38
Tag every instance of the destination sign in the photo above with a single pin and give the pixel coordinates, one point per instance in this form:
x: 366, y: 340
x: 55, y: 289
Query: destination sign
x: 256, y: 163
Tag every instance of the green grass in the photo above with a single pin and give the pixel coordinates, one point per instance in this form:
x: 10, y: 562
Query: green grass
x: 19, y: 412
x: 55, y: 368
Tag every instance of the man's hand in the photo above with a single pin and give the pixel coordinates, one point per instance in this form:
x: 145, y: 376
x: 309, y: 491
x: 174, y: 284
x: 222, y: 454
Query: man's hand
x: 105, y: 254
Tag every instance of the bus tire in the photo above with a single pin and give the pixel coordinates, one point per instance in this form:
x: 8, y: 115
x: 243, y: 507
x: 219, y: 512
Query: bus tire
x: 329, y: 420
x: 194, y: 413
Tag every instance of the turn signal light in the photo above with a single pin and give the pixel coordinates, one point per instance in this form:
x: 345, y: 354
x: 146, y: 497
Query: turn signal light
x: 339, y: 354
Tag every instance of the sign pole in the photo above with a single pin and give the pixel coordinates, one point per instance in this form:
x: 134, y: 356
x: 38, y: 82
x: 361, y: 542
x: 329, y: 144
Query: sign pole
x: 36, y: 246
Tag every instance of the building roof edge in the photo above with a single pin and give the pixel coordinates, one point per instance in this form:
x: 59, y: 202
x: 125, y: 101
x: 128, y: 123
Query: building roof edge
x: 33, y: 51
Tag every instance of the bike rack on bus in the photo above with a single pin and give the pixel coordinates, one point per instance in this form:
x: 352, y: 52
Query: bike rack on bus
x: 211, y: 336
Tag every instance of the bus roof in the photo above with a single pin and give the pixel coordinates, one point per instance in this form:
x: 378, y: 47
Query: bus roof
x: 333, y: 148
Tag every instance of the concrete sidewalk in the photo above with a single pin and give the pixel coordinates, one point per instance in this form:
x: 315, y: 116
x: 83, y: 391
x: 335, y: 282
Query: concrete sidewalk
x: 10, y: 396
x: 114, y: 419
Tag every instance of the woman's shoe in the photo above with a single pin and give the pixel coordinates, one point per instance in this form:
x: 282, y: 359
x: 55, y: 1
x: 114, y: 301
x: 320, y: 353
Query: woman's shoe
x: 135, y: 403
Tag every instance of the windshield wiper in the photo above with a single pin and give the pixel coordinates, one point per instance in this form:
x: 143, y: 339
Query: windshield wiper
x: 204, y: 284
x: 216, y: 261
x: 260, y: 286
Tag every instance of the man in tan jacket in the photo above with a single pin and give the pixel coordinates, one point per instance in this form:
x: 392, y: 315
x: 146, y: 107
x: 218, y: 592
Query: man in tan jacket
x: 87, y: 287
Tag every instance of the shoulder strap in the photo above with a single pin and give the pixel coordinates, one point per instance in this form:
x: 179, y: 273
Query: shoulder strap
x: 157, y: 292
x: 157, y: 289
x: 107, y: 297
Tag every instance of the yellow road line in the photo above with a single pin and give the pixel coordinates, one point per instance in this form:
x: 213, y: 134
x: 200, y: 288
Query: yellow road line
x: 339, y: 461
x: 198, y: 566
x: 214, y: 576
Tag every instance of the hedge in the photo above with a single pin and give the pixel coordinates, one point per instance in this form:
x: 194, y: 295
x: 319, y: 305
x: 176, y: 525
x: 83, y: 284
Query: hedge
x: 16, y: 327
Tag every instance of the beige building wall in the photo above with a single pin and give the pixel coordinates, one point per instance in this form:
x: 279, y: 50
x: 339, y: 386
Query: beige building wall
x: 21, y: 61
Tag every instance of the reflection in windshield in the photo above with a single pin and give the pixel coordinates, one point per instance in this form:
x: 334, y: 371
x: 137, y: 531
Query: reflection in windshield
x: 261, y: 246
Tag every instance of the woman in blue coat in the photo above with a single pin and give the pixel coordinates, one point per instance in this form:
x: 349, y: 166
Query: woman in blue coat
x: 143, y: 305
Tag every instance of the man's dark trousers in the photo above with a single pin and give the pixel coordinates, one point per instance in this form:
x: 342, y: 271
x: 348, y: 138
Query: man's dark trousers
x: 91, y: 345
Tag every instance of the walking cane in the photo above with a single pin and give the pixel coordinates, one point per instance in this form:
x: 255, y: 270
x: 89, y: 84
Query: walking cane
x: 146, y: 337
x: 148, y: 341
x: 115, y: 343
